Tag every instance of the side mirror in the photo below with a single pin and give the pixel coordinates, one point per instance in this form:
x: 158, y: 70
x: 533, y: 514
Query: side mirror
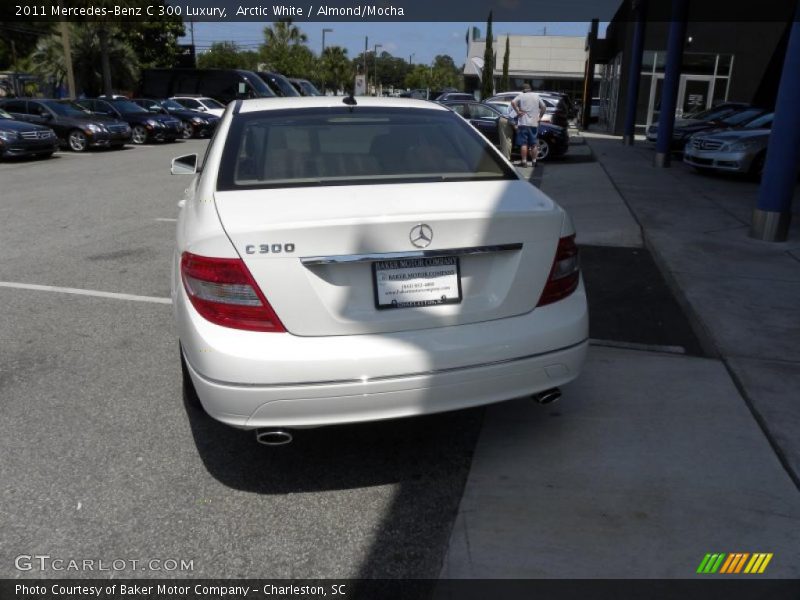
x: 154, y: 109
x: 184, y: 165
x: 47, y: 116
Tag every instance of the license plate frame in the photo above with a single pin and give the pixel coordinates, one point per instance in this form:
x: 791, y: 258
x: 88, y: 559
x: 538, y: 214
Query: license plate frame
x: 382, y: 288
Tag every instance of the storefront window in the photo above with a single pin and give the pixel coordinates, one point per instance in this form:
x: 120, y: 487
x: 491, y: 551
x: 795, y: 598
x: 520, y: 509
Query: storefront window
x: 698, y: 64
x: 724, y: 65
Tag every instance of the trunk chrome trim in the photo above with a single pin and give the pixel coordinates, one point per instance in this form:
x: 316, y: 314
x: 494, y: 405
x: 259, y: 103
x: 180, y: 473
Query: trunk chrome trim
x: 357, y: 258
x: 385, y: 377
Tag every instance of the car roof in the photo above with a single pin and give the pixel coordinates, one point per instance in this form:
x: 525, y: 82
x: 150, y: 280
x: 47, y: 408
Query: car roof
x: 261, y: 104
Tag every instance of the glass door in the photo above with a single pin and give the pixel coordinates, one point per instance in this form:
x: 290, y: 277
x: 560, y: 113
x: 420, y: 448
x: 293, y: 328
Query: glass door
x: 694, y: 94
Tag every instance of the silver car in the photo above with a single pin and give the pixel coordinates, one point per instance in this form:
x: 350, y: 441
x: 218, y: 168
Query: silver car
x: 740, y: 150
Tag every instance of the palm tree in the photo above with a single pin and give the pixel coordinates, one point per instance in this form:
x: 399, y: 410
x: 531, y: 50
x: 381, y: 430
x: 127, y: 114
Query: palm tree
x: 48, y: 60
x: 284, y: 34
x: 337, y: 70
x: 282, y: 43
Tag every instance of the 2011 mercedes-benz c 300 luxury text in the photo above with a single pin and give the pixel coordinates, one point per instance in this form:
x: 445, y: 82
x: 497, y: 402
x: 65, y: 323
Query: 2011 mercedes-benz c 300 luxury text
x: 347, y: 260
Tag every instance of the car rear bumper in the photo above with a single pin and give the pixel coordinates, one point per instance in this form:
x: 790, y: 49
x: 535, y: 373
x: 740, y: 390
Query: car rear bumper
x: 250, y: 380
x: 332, y: 403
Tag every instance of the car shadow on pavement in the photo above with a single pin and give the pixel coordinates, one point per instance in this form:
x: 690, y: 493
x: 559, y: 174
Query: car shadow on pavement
x: 399, y: 451
x: 426, y: 461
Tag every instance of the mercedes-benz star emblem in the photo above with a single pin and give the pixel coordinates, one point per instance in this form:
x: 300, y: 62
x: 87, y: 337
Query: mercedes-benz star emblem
x: 421, y: 235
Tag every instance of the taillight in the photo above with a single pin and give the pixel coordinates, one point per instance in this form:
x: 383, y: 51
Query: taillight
x: 224, y: 292
x: 565, y: 273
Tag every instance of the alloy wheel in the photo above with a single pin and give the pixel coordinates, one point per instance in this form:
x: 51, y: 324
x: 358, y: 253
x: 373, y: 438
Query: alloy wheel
x: 544, y: 149
x: 139, y: 134
x: 77, y: 141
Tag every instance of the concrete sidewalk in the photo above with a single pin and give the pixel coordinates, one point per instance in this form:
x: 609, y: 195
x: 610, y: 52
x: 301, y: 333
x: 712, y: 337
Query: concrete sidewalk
x: 742, y: 294
x: 652, y: 460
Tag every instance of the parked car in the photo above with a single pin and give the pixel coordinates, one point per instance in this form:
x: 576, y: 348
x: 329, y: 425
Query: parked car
x: 350, y: 260
x: 21, y: 139
x: 557, y: 111
x: 454, y: 96
x: 742, y: 150
x: 553, y: 140
x: 76, y: 127
x: 417, y: 93
x: 145, y: 126
x: 224, y: 85
x: 278, y: 84
x: 201, y: 104
x: 305, y: 87
x: 698, y: 121
x: 195, y: 123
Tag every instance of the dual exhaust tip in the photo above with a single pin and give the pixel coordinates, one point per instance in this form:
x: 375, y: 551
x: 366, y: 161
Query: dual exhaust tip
x: 279, y: 437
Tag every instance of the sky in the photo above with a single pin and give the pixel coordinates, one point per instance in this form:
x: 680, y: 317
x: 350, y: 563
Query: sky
x: 422, y: 40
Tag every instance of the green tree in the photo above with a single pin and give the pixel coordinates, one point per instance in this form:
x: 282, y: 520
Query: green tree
x: 221, y: 55
x: 487, y: 76
x: 445, y: 73
x: 337, y: 70
x: 155, y: 41
x: 48, y: 60
x: 418, y: 77
x: 281, y: 49
x: 18, y: 40
x: 504, y: 78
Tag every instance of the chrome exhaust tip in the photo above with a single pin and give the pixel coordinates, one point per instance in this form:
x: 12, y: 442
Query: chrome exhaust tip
x: 273, y: 437
x: 547, y: 396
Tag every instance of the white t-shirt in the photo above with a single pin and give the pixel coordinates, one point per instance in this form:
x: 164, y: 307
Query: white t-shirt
x: 531, y: 105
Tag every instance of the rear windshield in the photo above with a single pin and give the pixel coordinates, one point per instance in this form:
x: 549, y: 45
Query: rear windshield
x: 337, y: 146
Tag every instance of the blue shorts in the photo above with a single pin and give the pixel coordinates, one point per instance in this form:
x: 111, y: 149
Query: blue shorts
x: 526, y: 135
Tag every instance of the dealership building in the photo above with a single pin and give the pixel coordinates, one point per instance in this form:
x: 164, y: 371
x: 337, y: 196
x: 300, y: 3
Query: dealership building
x: 721, y: 61
x: 547, y: 62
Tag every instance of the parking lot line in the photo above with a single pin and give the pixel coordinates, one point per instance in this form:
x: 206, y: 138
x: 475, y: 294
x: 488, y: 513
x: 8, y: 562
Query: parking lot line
x: 80, y: 292
x: 165, y: 220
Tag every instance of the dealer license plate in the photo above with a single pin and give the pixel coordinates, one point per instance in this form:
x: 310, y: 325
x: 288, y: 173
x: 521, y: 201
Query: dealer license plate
x: 411, y: 282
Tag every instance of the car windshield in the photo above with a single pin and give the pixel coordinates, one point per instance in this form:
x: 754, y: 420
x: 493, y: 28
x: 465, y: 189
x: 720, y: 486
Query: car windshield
x: 762, y: 122
x: 309, y: 88
x: 65, y: 108
x: 190, y: 103
x: 741, y: 117
x: 211, y: 103
x: 504, y: 109
x: 283, y: 85
x: 340, y: 146
x: 712, y: 113
x: 127, y: 106
x: 172, y: 104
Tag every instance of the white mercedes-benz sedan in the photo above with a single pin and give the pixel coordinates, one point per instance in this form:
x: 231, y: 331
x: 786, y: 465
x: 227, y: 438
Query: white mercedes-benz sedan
x: 342, y: 260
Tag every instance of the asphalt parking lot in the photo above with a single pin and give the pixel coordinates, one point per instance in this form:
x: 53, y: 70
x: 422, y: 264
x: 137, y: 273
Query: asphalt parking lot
x: 101, y: 458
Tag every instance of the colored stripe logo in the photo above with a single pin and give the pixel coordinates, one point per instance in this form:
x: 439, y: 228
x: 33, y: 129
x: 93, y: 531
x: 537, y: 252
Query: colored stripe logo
x: 735, y: 563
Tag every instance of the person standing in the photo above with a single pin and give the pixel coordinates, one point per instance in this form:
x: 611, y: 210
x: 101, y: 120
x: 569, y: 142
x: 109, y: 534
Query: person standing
x: 529, y: 108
